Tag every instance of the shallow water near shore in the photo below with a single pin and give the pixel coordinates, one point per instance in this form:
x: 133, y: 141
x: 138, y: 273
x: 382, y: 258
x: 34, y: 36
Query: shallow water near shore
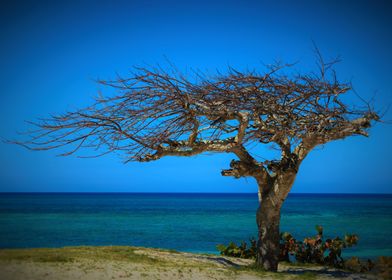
x: 186, y: 222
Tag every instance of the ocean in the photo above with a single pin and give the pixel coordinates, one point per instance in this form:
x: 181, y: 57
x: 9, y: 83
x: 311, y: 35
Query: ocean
x: 186, y: 222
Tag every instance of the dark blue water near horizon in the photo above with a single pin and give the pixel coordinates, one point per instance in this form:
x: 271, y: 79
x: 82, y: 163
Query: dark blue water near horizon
x: 192, y: 222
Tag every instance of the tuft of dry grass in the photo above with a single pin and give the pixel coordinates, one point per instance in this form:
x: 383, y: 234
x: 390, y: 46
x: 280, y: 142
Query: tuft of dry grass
x: 70, y: 254
x: 145, y: 263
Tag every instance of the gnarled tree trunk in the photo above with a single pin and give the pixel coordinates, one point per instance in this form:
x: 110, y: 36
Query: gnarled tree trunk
x: 268, y: 219
x: 271, y: 197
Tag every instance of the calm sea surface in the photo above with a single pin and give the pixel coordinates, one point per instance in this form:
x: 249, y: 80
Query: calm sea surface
x: 186, y: 222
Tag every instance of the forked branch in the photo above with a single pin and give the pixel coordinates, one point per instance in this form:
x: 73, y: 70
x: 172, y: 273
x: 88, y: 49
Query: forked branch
x: 157, y: 114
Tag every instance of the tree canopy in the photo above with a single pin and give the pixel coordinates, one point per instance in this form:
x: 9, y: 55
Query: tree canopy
x: 158, y: 113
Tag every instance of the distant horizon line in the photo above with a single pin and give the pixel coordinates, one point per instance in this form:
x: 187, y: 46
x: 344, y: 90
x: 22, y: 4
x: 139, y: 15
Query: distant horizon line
x: 126, y: 192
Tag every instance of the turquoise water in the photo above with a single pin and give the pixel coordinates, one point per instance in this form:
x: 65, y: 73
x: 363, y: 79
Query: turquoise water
x: 186, y: 222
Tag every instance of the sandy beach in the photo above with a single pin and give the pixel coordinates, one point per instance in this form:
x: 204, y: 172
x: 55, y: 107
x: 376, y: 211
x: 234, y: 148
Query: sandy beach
x: 94, y: 263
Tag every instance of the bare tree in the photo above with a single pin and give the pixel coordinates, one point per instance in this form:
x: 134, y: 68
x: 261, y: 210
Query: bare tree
x: 158, y: 113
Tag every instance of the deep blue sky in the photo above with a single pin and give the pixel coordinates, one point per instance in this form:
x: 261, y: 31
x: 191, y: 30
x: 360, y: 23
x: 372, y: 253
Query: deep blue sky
x: 51, y: 52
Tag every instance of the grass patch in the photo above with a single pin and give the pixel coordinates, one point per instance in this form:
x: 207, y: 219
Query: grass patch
x: 39, y: 255
x: 172, y: 251
x: 306, y: 276
x: 70, y: 254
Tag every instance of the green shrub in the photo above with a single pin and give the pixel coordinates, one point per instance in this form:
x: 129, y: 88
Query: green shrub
x: 311, y: 250
x: 317, y: 250
x: 242, y: 251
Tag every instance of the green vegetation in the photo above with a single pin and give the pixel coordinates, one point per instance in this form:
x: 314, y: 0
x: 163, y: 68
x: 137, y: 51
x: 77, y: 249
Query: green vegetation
x: 172, y: 251
x: 241, y: 251
x: 306, y: 276
x: 316, y: 249
x: 312, y: 250
x: 70, y: 254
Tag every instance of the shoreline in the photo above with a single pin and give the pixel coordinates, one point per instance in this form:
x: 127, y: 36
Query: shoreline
x: 124, y: 262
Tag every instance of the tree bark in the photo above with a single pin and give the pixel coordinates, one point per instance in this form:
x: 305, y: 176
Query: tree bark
x: 268, y: 219
x: 271, y: 197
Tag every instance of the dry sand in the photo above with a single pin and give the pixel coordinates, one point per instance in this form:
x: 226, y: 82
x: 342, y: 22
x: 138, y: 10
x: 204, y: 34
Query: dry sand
x: 103, y: 263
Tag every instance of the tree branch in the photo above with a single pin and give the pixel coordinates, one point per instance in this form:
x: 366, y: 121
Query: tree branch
x: 340, y: 130
x: 157, y: 114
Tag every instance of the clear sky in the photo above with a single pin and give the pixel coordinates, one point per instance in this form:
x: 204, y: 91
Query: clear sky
x: 51, y: 52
